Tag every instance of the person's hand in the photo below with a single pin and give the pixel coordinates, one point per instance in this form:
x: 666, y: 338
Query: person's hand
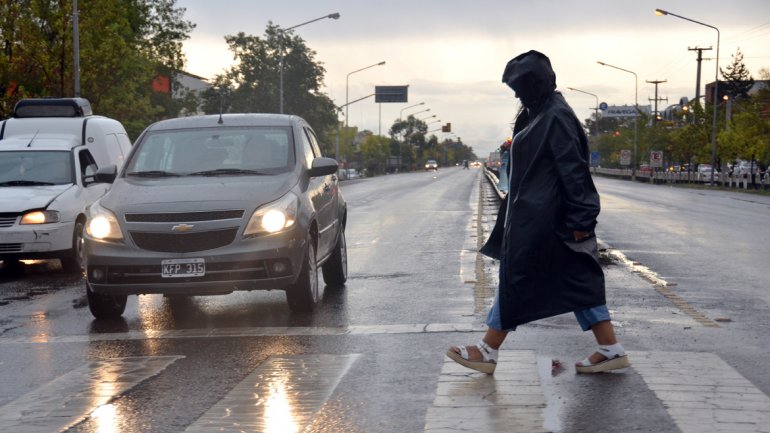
x: 581, y: 235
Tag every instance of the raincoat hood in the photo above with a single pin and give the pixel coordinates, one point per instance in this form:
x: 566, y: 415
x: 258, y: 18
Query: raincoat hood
x: 531, y: 76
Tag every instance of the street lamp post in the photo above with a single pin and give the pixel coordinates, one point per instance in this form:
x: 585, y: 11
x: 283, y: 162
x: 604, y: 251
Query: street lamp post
x: 333, y: 16
x: 714, y: 100
x: 636, y: 115
x: 347, y: 79
x: 426, y: 117
x: 596, y: 109
x: 401, y: 113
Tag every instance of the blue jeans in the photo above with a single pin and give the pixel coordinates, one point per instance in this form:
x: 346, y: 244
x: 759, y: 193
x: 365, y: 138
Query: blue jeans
x: 586, y: 318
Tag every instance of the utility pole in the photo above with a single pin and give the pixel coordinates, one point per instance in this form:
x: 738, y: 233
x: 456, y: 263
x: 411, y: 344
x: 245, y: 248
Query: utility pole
x: 697, y: 79
x: 655, y: 112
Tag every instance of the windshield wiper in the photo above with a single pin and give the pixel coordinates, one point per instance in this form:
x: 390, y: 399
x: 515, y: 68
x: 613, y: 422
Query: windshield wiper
x: 153, y: 173
x: 227, y: 171
x: 25, y: 183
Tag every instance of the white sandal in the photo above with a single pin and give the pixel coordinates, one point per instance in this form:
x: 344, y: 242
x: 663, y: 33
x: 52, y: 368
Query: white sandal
x: 489, y: 356
x: 615, y: 358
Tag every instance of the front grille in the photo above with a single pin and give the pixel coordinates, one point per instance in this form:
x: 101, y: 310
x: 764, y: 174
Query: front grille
x: 8, y: 219
x: 229, y: 271
x: 183, y: 217
x: 10, y: 248
x: 183, y: 242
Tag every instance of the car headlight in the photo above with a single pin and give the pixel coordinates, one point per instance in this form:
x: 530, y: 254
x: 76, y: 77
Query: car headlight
x: 102, y: 224
x: 273, y: 217
x: 40, y: 217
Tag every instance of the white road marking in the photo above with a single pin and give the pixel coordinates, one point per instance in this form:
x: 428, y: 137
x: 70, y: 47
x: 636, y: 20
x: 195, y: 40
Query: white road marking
x: 282, y: 395
x: 405, y: 328
x: 702, y: 393
x: 510, y: 401
x: 84, y: 392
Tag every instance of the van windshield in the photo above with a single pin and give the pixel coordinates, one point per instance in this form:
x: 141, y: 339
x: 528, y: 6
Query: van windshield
x: 214, y: 151
x: 35, y: 167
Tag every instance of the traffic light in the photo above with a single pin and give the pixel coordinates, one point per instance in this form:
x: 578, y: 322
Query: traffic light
x: 617, y: 134
x: 446, y: 128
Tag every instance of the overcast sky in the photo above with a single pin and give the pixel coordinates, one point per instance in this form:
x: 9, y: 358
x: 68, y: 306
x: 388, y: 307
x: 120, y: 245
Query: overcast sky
x: 452, y: 53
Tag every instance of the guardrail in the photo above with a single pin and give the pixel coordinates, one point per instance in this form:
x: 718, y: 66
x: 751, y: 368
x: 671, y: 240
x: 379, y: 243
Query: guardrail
x: 492, y: 177
x: 725, y: 180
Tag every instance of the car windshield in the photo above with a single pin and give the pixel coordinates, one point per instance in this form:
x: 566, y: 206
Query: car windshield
x: 235, y: 151
x: 35, y: 167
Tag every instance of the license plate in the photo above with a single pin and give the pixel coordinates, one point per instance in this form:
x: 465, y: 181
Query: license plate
x: 175, y: 268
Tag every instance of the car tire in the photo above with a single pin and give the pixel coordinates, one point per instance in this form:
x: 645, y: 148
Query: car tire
x: 335, y: 270
x: 303, y: 295
x: 106, y: 307
x: 74, y: 262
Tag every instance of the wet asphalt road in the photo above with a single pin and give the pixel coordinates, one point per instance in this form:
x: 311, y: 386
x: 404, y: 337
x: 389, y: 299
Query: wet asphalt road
x: 415, y: 286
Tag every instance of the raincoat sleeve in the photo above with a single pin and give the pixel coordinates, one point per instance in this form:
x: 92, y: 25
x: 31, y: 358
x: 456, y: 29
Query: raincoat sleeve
x: 569, y: 148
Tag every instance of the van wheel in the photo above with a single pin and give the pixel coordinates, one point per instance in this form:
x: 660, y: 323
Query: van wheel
x: 107, y: 307
x: 302, y: 296
x: 74, y: 262
x: 335, y: 270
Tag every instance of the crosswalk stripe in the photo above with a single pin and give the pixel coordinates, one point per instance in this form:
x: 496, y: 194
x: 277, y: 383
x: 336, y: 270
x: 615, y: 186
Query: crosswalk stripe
x: 266, y: 331
x: 280, y: 396
x: 511, y: 401
x: 81, y: 393
x: 702, y: 393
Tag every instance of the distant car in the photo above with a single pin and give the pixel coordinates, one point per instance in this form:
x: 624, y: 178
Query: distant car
x: 431, y: 164
x: 207, y: 205
x: 645, y: 169
x: 705, y: 172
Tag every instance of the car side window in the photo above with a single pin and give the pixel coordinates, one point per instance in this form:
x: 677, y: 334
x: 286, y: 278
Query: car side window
x: 307, y: 149
x: 313, y: 142
x: 88, y: 165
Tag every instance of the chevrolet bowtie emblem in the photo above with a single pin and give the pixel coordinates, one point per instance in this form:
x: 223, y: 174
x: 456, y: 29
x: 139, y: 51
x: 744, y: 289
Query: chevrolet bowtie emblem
x: 182, y: 227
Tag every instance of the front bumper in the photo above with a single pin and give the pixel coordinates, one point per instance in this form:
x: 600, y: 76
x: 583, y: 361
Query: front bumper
x: 263, y: 263
x: 36, y: 241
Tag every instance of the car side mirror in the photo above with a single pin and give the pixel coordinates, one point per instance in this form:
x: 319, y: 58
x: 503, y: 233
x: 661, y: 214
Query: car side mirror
x: 106, y: 174
x: 323, y: 167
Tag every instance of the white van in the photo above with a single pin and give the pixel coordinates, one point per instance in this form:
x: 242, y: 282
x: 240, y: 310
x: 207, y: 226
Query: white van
x: 49, y: 152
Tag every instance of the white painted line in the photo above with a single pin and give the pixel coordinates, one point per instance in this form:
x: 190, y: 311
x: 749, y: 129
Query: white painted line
x: 509, y: 401
x: 281, y: 395
x: 405, y: 328
x: 84, y: 392
x: 702, y: 393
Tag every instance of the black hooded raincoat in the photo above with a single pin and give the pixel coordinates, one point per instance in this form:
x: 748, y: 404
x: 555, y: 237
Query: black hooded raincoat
x: 544, y: 271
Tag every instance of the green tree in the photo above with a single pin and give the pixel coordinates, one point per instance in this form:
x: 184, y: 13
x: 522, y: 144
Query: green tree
x: 252, y: 84
x: 124, y: 44
x: 374, y: 152
x: 738, y: 80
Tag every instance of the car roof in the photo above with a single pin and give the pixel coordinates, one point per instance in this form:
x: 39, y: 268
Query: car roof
x: 213, y: 121
x: 40, y: 142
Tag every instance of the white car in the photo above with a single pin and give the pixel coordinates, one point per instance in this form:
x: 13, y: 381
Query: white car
x: 704, y: 172
x: 47, y: 168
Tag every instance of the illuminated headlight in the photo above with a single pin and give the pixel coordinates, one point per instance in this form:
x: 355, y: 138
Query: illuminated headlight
x: 273, y: 217
x: 102, y: 224
x: 40, y: 217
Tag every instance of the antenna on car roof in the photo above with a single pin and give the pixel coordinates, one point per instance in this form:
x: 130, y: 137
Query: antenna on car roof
x: 33, y: 138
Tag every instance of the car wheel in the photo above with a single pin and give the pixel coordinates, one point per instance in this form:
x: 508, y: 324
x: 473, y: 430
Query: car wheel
x: 103, y: 306
x: 335, y: 270
x: 302, y: 296
x: 74, y: 262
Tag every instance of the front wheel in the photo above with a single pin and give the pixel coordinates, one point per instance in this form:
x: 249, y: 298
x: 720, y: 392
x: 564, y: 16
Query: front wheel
x: 74, y: 262
x: 302, y: 296
x: 107, y: 307
x: 335, y: 270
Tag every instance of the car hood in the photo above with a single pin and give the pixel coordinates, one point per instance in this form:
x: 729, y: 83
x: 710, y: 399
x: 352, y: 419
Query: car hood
x: 22, y: 198
x: 188, y: 194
